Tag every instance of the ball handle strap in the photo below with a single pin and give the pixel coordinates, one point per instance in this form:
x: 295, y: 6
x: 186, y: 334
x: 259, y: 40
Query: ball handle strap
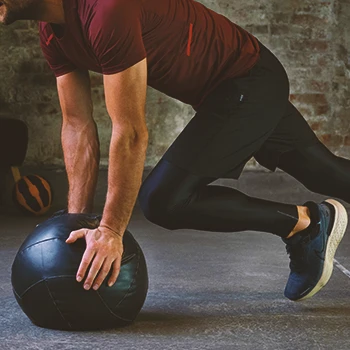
x: 16, y: 173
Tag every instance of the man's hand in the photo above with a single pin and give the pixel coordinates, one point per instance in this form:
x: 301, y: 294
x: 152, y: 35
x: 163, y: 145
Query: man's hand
x: 104, y: 248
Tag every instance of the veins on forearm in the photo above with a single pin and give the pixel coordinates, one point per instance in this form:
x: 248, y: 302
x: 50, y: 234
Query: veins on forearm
x: 81, y: 153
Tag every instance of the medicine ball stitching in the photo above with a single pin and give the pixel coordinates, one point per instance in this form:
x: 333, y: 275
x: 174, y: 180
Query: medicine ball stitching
x: 137, y: 269
x: 124, y: 261
x: 132, y: 283
x: 44, y: 240
x: 127, y: 292
x: 33, y: 190
x: 104, y: 303
x: 18, y: 296
x: 127, y: 259
x: 54, y: 302
x: 33, y: 285
x: 107, y: 307
x: 78, y: 227
x: 30, y: 246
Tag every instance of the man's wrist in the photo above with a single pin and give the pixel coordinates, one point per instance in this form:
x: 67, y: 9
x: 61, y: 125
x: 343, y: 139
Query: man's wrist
x: 116, y: 232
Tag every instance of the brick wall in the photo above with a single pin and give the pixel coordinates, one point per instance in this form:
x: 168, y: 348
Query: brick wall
x: 310, y: 37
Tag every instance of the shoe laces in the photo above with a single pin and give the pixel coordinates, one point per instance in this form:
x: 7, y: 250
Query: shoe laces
x: 296, y: 254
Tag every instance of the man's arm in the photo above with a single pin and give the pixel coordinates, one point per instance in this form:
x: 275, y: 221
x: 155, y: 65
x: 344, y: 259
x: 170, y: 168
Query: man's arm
x: 125, y: 99
x: 79, y: 140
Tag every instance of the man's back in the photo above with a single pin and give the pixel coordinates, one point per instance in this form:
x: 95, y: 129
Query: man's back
x: 190, y: 49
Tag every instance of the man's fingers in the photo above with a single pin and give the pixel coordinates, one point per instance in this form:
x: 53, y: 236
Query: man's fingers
x: 85, y: 262
x: 115, y: 272
x: 106, y: 267
x: 94, y: 269
x: 74, y: 235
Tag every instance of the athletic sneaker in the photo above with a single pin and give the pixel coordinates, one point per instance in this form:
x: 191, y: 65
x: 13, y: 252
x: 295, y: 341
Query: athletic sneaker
x: 312, y: 250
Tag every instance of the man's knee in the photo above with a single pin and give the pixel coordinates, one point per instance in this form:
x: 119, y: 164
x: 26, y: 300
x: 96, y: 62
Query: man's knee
x: 157, y: 206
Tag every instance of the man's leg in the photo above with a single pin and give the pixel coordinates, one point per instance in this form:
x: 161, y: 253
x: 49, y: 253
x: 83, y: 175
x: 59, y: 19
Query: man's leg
x: 295, y: 148
x: 319, y: 170
x: 173, y: 198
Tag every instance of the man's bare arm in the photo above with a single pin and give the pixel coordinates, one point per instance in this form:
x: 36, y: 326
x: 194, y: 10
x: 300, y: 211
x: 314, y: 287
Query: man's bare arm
x: 79, y: 140
x: 125, y: 99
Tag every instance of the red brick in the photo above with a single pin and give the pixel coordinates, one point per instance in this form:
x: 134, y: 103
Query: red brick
x: 314, y: 99
x: 340, y: 71
x: 280, y: 42
x: 322, y: 109
x: 309, y: 45
x: 322, y: 61
x: 257, y: 29
x: 305, y: 111
x: 286, y: 29
x: 315, y: 126
x: 320, y: 34
x: 280, y: 17
x: 319, y: 86
x: 326, y: 138
x: 312, y: 6
x: 308, y: 20
x: 331, y: 140
x: 298, y: 59
x: 347, y: 141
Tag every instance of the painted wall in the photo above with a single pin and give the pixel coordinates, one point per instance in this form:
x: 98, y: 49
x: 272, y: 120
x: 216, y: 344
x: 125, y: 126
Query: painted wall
x: 311, y: 38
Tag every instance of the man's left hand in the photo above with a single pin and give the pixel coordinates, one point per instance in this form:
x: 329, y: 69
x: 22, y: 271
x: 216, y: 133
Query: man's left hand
x: 104, y: 249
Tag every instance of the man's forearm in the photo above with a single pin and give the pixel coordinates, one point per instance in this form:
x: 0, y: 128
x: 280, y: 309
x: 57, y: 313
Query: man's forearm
x: 126, y: 164
x: 81, y: 155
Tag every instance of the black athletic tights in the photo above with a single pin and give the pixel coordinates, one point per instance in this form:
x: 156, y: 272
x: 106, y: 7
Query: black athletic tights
x: 174, y: 199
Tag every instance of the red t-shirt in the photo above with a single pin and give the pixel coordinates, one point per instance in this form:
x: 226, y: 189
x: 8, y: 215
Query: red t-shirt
x: 190, y: 49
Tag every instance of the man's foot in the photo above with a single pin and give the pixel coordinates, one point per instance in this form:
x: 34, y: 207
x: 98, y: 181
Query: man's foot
x: 312, y: 250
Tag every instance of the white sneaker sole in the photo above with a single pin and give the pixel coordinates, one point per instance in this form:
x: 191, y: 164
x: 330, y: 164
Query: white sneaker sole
x: 338, y: 231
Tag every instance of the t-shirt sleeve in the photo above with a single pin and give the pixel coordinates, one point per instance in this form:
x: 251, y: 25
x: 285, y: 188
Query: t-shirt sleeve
x: 115, y: 35
x: 53, y: 54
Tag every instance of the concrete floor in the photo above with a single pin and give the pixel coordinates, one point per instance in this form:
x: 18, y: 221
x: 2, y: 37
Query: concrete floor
x: 207, y: 290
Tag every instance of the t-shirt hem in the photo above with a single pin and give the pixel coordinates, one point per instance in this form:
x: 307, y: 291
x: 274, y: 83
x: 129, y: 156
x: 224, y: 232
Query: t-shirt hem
x: 59, y: 74
x: 120, y: 68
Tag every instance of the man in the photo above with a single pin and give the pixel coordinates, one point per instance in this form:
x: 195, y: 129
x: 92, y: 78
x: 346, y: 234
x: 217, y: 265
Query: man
x: 240, y: 93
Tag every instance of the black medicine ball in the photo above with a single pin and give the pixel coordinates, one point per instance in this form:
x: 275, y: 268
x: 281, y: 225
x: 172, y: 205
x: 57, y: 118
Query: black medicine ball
x: 44, y: 279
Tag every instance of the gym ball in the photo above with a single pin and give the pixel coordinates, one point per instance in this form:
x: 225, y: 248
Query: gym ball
x: 44, y: 279
x: 32, y: 194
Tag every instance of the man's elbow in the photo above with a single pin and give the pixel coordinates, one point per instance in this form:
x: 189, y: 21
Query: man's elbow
x: 140, y: 136
x: 135, y: 136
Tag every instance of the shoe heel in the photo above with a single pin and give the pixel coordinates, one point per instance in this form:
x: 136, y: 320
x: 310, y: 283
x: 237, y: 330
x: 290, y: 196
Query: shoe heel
x: 337, y: 234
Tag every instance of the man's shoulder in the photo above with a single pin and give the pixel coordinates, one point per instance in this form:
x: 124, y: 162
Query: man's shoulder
x: 109, y: 7
x: 42, y: 26
x: 44, y: 29
x: 95, y: 14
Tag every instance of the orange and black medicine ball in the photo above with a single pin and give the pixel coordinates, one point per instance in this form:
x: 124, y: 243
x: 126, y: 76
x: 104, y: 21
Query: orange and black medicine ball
x: 32, y: 194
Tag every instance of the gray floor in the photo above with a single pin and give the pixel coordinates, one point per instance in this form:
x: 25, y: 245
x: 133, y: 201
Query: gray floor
x: 207, y: 290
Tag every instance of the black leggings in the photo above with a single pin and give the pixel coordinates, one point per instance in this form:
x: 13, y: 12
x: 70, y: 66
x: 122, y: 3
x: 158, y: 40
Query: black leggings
x: 175, y: 199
